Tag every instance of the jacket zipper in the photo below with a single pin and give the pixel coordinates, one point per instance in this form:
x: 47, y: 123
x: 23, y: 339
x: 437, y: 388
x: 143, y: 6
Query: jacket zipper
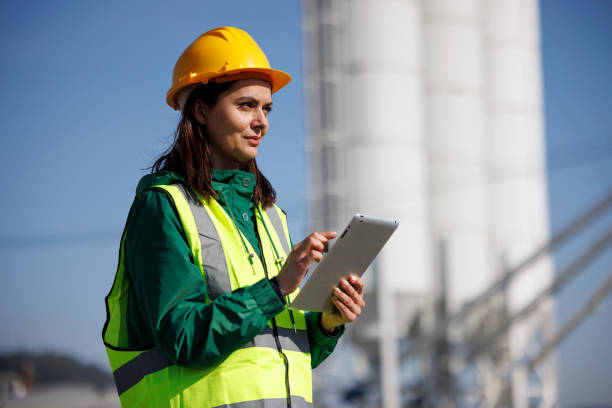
x: 274, y: 326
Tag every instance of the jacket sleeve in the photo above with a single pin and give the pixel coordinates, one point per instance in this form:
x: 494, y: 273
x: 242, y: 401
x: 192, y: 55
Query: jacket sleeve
x: 321, y: 345
x: 168, y: 292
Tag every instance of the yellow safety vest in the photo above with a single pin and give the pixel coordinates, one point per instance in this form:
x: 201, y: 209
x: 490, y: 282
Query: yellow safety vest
x: 272, y: 370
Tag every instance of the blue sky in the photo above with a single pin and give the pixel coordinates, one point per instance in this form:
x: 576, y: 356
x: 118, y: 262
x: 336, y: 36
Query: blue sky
x: 84, y: 114
x: 577, y: 67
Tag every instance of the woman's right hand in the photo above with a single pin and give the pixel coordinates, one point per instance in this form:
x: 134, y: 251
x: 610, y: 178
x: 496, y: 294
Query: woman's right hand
x: 300, y: 258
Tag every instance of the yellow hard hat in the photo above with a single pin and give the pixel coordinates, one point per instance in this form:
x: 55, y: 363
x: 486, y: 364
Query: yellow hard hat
x: 225, y: 54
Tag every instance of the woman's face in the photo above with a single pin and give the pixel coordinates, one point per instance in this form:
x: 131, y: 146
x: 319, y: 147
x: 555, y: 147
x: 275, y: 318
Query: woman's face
x: 237, y: 122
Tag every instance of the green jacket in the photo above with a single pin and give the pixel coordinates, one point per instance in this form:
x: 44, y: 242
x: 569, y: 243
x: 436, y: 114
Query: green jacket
x: 167, y: 303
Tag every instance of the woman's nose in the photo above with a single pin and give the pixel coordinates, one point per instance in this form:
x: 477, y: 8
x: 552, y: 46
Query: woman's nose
x: 260, y: 120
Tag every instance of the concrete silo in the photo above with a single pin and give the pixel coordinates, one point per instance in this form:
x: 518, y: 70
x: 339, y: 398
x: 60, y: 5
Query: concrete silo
x: 430, y: 112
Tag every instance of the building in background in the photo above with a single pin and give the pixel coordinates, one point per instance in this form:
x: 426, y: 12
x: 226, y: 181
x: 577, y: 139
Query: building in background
x: 430, y: 112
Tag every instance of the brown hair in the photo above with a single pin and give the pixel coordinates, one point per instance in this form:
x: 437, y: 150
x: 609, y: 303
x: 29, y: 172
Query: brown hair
x: 190, y: 153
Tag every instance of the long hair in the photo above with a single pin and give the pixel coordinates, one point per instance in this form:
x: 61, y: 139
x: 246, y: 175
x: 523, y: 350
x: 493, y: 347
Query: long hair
x: 190, y: 153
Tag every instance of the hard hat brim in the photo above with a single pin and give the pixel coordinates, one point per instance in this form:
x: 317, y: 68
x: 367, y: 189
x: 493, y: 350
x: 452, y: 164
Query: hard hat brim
x: 278, y: 79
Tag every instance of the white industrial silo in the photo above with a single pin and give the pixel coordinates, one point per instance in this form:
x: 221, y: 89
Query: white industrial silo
x: 518, y: 194
x: 430, y: 112
x: 366, y: 148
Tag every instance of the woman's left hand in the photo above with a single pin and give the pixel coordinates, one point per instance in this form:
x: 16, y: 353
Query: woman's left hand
x: 348, y: 299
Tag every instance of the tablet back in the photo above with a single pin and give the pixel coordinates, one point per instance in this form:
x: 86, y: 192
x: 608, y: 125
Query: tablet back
x: 353, y: 252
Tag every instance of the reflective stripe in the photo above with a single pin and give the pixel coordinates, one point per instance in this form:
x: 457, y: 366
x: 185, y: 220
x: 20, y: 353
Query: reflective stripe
x: 296, y: 402
x: 134, y: 370
x: 153, y: 360
x: 142, y: 375
x: 213, y: 258
x: 288, y: 339
x: 272, y: 213
x: 295, y: 342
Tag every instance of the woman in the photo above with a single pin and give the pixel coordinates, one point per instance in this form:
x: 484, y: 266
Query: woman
x: 199, y: 312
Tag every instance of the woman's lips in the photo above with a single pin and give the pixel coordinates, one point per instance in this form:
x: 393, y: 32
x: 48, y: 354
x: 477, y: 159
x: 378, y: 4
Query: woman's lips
x: 253, y: 140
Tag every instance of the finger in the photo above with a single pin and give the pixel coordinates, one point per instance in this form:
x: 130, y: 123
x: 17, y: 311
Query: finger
x: 326, y: 246
x: 349, y: 290
x: 327, y: 236
x: 319, y: 236
x: 315, y: 246
x: 352, y: 305
x: 341, y: 295
x: 330, y: 234
x: 357, y: 283
x: 316, y: 255
x: 319, y: 241
x: 355, y: 295
x: 324, y: 238
x: 310, y: 243
x: 347, y: 315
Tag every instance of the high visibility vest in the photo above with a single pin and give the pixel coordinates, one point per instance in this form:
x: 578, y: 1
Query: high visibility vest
x: 272, y: 370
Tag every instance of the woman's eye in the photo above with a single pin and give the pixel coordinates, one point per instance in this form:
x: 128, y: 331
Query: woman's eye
x: 246, y: 104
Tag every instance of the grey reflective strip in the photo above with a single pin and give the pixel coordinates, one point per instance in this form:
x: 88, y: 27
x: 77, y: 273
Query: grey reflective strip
x: 278, y: 227
x: 213, y: 257
x: 296, y: 402
x: 134, y: 370
x: 289, y: 340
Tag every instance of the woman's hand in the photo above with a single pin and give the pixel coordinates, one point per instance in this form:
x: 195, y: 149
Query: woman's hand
x: 348, y: 299
x: 300, y: 258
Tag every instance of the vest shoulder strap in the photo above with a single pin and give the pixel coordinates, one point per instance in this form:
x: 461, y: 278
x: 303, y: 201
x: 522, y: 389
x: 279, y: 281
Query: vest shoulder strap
x: 177, y: 193
x: 278, y: 219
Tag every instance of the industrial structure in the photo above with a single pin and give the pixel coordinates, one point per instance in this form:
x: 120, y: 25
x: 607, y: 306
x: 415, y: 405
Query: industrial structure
x: 430, y: 112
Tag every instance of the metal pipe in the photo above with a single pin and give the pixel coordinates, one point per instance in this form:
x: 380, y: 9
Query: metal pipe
x: 562, y: 280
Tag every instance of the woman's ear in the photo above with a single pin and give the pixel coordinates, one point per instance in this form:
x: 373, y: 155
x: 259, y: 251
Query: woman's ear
x: 200, y: 111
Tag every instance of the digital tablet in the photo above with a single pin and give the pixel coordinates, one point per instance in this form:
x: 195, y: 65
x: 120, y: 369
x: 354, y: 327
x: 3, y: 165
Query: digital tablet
x: 352, y: 253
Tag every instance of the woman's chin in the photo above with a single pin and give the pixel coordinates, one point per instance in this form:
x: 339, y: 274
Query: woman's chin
x: 248, y: 154
x: 235, y: 160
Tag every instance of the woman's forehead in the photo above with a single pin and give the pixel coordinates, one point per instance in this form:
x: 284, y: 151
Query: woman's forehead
x: 251, y: 87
